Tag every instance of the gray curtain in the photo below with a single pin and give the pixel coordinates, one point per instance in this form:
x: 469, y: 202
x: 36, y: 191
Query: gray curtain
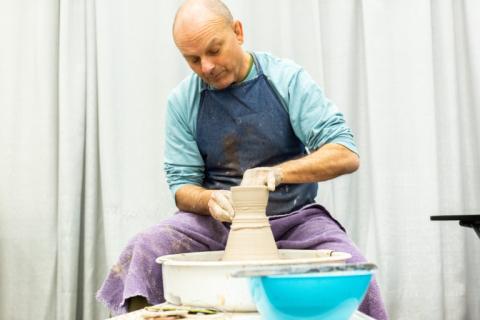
x: 83, y: 88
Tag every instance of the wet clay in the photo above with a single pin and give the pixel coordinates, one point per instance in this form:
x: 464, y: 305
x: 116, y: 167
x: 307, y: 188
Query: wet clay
x: 250, y: 236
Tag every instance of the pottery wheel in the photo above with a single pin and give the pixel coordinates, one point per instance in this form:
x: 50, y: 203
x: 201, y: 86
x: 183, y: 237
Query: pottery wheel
x: 204, y: 279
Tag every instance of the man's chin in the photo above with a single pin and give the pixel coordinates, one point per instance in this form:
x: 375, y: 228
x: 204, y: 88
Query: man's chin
x: 221, y: 86
x: 220, y: 83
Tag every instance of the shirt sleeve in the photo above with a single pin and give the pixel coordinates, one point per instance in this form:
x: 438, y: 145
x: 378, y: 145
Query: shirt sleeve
x: 315, y: 119
x: 183, y: 162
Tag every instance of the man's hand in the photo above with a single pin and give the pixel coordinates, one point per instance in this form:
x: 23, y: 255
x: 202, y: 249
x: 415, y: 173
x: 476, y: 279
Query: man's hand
x: 262, y: 176
x: 220, y: 205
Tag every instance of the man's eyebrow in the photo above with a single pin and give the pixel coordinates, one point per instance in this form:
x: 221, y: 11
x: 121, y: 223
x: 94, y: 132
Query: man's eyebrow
x: 214, y: 41
x: 211, y: 43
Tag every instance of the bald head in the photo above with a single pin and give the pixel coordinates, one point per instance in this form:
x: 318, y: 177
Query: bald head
x: 211, y: 42
x: 196, y: 11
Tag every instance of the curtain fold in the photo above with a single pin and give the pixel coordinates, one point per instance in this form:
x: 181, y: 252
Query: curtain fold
x: 455, y: 57
x: 80, y: 235
x: 28, y: 158
x: 83, y: 89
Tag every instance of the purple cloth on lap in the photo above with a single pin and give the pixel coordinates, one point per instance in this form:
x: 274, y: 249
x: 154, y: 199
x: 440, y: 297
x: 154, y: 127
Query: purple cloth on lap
x: 137, y: 274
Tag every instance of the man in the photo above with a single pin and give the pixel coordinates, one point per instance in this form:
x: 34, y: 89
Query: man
x: 240, y: 118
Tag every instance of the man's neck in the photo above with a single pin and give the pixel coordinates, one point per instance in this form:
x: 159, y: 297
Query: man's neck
x: 247, y: 66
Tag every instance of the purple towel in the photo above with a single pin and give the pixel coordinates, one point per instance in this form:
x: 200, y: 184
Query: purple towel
x: 137, y: 274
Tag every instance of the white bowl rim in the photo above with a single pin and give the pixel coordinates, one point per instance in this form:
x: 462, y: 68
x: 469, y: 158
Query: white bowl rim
x: 319, y: 256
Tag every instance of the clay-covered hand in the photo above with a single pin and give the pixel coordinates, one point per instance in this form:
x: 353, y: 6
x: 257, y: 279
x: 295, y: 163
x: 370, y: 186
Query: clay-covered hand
x: 220, y: 205
x: 262, y: 176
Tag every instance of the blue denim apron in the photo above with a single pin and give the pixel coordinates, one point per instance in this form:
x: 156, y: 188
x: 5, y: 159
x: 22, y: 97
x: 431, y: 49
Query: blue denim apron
x: 245, y: 126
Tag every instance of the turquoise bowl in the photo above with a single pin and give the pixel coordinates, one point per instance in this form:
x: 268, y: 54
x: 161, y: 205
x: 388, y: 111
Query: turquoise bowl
x: 331, y: 294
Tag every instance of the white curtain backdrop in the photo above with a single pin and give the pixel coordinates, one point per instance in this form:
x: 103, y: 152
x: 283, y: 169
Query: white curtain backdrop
x: 83, y: 88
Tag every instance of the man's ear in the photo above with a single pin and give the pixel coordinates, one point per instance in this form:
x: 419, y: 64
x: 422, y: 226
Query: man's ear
x: 238, y: 29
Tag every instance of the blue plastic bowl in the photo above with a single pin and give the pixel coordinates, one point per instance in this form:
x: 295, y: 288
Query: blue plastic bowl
x: 333, y: 295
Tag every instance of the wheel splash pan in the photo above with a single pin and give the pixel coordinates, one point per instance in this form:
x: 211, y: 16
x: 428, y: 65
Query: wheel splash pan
x: 202, y: 279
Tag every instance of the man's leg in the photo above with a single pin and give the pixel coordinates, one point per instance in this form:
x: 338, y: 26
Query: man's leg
x: 136, y: 274
x: 136, y: 303
x: 314, y: 228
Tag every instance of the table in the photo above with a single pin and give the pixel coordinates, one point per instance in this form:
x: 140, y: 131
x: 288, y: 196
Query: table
x: 466, y: 220
x: 136, y: 315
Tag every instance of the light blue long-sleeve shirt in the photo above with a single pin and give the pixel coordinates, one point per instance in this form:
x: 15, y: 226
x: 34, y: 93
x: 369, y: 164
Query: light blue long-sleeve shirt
x: 314, y: 119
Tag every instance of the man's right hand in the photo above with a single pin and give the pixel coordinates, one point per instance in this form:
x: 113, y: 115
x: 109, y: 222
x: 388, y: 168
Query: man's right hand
x: 220, y: 205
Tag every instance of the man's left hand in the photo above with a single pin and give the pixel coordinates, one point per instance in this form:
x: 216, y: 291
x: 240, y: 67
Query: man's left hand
x: 262, y: 176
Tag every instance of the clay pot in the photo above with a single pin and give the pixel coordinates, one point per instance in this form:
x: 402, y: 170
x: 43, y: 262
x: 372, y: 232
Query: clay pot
x: 250, y: 236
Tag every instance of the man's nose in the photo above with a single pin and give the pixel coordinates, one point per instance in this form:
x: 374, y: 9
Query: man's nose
x: 207, y: 66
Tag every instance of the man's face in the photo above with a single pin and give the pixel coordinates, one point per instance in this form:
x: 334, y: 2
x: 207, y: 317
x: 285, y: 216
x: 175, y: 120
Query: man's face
x: 213, y: 51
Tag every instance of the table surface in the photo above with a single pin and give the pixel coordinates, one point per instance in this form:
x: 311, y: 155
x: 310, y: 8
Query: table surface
x: 137, y: 315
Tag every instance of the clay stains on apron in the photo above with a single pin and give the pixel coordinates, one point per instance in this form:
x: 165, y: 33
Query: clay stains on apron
x: 230, y: 147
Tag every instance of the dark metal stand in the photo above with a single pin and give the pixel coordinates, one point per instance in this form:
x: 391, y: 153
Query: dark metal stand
x: 474, y: 225
x: 468, y: 220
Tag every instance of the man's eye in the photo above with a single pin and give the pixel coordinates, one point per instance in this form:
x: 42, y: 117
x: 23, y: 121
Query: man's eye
x: 195, y: 60
x: 216, y: 51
